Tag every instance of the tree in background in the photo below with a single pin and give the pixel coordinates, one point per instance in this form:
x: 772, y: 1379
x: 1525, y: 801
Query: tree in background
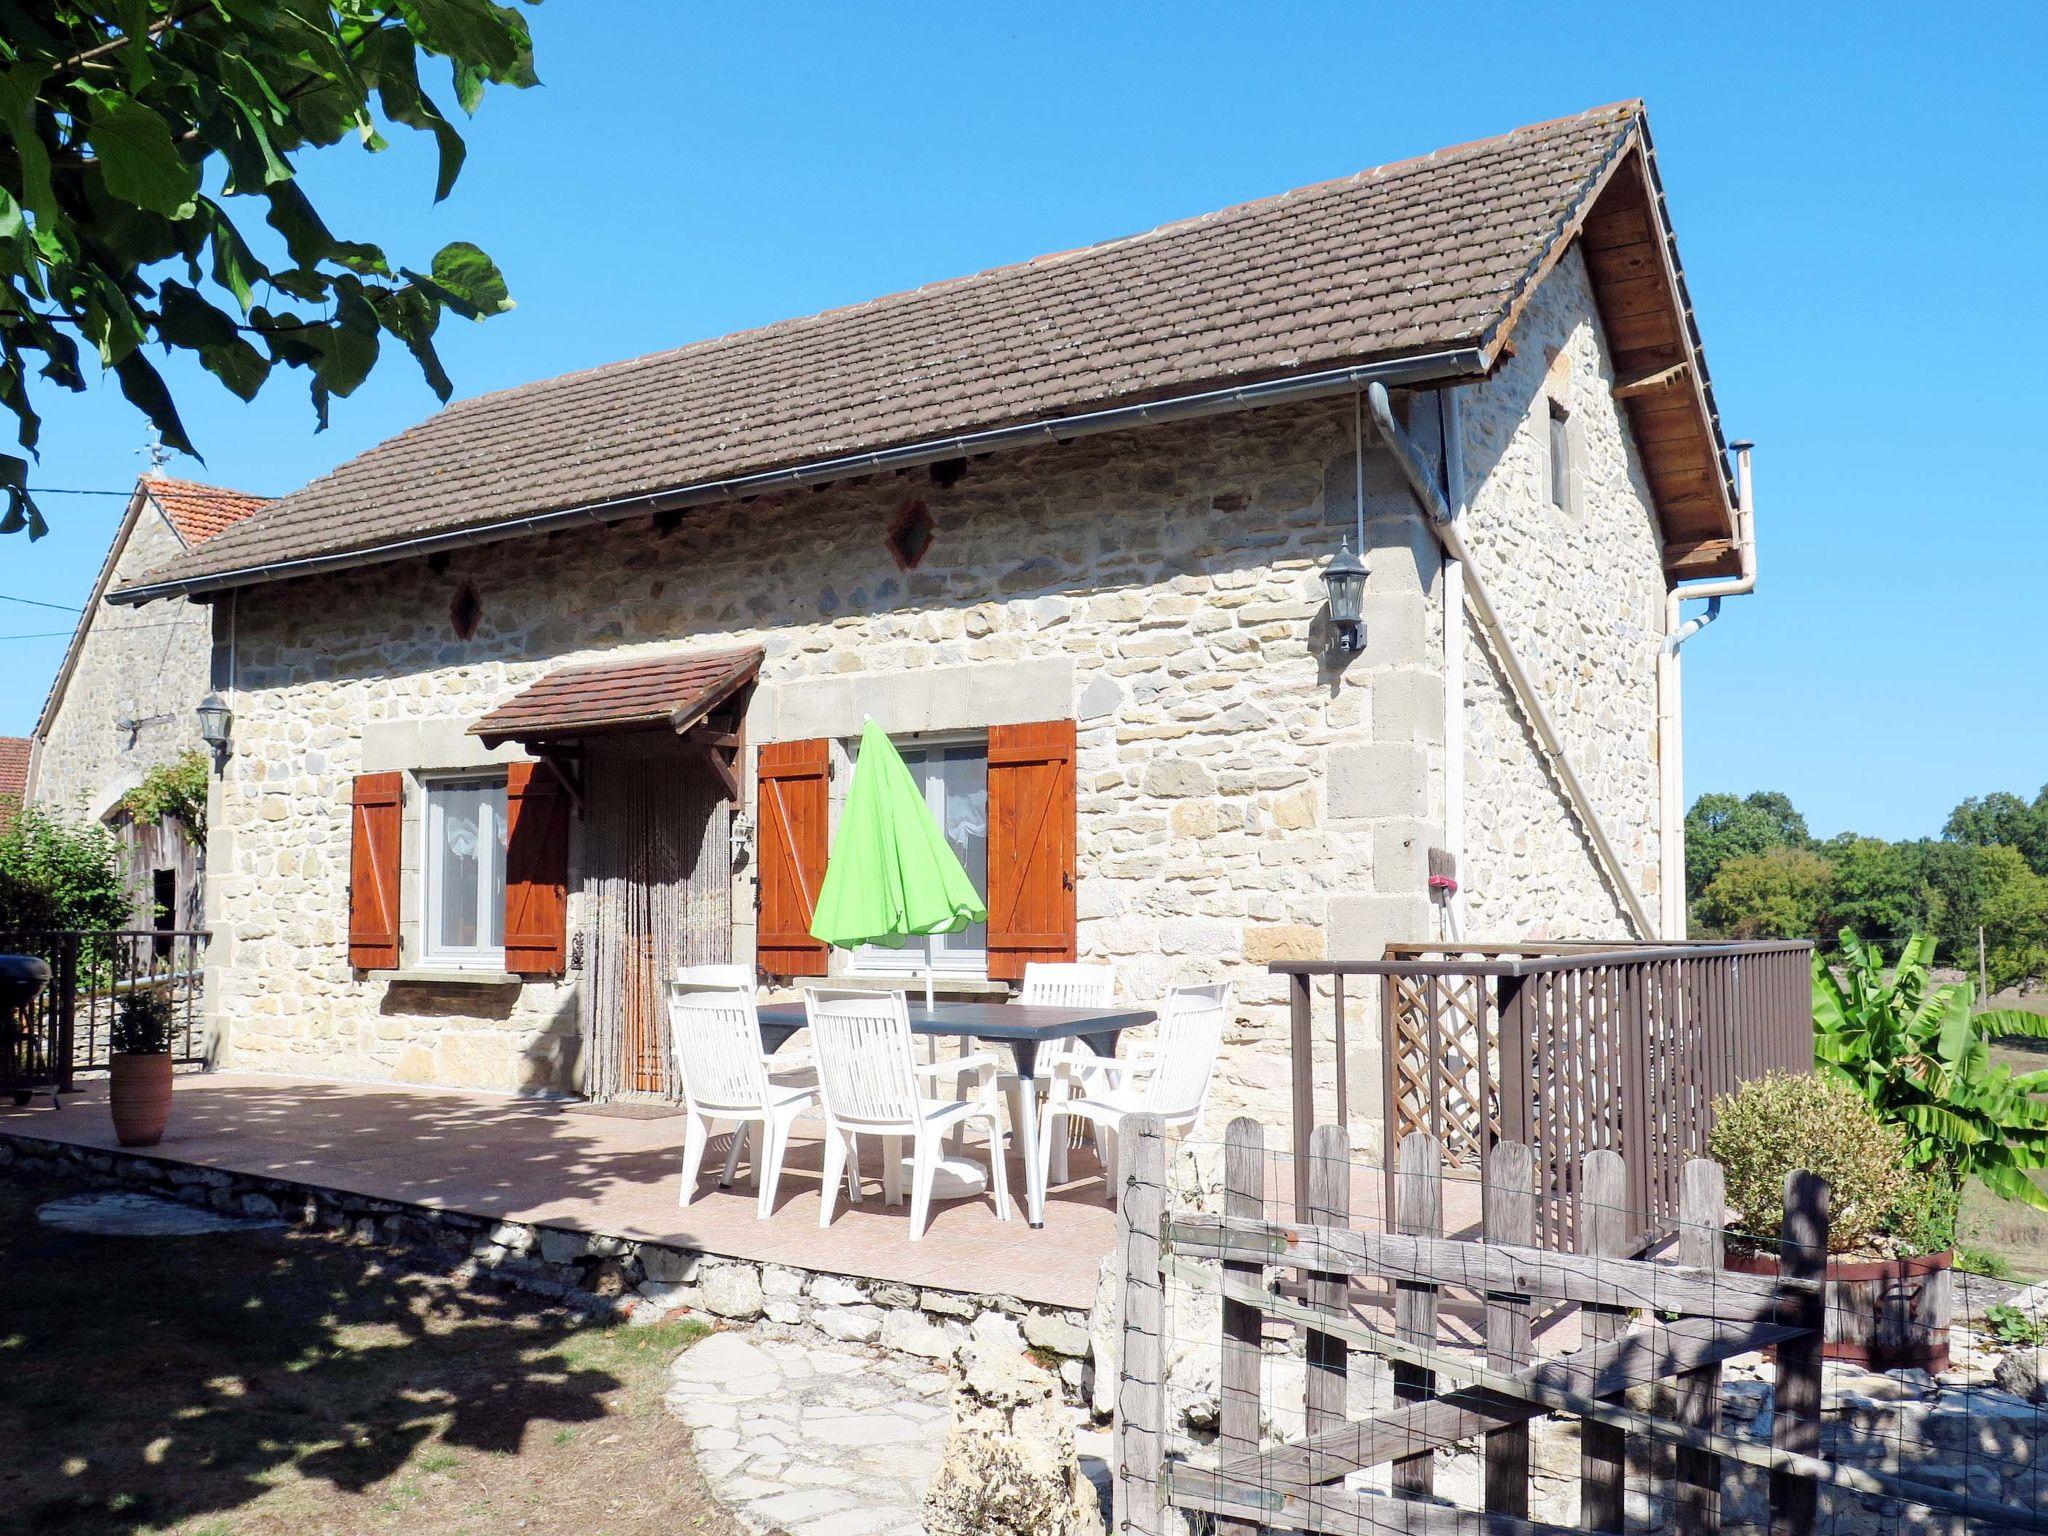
x: 1877, y: 890
x: 1722, y: 827
x: 60, y: 874
x: 2003, y: 820
x: 1777, y: 894
x: 128, y: 133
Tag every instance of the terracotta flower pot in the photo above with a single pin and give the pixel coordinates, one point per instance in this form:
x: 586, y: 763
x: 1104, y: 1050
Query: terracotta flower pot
x: 139, y: 1093
x: 1883, y: 1314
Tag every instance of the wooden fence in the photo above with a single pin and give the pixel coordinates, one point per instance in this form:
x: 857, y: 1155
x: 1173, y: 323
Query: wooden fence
x: 1567, y: 1048
x: 1300, y: 1275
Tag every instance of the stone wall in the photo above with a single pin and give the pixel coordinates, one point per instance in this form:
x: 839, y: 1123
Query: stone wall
x: 136, y: 664
x: 1162, y: 587
x: 1581, y: 593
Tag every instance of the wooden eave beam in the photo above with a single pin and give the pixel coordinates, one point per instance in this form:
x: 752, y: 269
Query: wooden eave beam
x: 1653, y: 383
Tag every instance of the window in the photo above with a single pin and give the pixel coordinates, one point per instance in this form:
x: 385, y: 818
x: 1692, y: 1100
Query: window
x: 954, y: 777
x: 1560, y: 457
x: 464, y: 872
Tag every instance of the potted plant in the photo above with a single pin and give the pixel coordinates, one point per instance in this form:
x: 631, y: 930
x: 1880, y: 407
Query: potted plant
x: 1888, y: 1281
x: 139, y: 1090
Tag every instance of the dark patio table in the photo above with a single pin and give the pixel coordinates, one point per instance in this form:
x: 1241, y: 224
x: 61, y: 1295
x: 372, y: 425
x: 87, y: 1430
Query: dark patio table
x: 1022, y: 1027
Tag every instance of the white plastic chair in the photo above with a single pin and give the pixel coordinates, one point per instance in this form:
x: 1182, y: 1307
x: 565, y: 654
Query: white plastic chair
x: 1052, y: 984
x: 716, y: 976
x: 715, y: 1038
x: 872, y: 1085
x: 1170, y: 1081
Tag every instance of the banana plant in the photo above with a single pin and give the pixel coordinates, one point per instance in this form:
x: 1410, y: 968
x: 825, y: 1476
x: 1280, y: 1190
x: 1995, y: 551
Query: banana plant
x: 1920, y: 1054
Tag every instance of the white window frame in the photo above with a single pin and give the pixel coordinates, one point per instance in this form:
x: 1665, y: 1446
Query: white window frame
x: 433, y: 956
x: 912, y: 958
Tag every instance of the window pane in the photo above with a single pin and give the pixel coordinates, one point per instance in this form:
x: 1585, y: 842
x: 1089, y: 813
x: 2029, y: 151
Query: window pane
x: 460, y: 848
x: 467, y: 866
x: 963, y: 780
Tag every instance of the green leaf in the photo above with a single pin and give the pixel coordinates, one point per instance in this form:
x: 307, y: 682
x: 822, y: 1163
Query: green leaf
x: 469, y: 282
x: 144, y: 388
x: 137, y: 159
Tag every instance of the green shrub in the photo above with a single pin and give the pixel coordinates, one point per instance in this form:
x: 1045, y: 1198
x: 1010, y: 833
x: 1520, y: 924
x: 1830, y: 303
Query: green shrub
x: 143, y: 1023
x: 60, y: 874
x: 173, y: 789
x: 1776, y: 1124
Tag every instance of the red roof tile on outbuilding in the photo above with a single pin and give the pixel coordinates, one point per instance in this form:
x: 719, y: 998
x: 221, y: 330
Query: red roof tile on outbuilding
x: 669, y: 692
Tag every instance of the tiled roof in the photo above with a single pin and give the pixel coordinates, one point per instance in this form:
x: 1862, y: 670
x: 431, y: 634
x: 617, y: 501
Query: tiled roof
x: 669, y: 691
x: 1404, y: 261
x: 199, y: 512
x: 13, y: 776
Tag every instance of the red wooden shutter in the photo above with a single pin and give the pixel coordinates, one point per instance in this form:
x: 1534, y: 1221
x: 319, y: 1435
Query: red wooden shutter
x: 1030, y: 846
x: 536, y: 871
x: 793, y: 810
x: 375, y: 822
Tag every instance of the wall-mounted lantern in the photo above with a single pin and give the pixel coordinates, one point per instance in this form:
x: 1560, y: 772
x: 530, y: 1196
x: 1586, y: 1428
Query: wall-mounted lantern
x: 214, y: 719
x: 1344, y: 577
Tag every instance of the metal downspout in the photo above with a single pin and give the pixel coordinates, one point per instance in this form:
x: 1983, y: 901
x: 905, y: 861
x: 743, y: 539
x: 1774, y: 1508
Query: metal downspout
x: 1670, y: 691
x: 1551, y: 744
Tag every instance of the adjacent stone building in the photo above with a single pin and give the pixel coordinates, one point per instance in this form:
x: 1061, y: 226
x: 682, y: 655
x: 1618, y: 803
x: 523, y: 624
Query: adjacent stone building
x: 125, y: 695
x: 600, y: 647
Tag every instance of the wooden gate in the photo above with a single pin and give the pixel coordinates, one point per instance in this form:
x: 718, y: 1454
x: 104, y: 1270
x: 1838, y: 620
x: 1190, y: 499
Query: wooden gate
x: 1322, y: 1279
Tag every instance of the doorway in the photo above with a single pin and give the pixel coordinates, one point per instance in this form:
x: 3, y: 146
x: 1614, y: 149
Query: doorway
x: 656, y: 883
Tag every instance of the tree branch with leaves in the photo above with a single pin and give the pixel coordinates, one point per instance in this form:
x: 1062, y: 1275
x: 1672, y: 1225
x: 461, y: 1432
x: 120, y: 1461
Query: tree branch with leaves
x: 133, y: 133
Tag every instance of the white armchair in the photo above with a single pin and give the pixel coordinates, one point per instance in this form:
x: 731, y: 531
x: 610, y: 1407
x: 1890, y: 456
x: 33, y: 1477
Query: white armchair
x: 1170, y: 1081
x: 1049, y: 984
x: 716, y: 1041
x: 871, y: 1084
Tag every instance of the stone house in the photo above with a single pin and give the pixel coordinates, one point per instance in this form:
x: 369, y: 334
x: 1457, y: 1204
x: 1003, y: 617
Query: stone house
x: 124, y: 698
x: 560, y: 687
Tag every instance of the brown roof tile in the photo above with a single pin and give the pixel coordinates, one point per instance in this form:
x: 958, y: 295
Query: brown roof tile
x: 1408, y: 259
x: 668, y: 691
x: 197, y: 511
x: 13, y: 776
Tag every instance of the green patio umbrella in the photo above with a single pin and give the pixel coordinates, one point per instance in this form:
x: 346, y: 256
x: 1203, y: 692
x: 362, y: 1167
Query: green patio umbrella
x: 891, y: 875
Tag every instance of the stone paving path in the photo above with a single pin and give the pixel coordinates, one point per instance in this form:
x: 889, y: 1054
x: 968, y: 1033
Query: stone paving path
x: 820, y: 1439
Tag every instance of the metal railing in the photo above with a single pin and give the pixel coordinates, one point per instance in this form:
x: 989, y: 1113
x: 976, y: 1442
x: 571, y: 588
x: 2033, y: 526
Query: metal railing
x: 1570, y: 1048
x: 69, y: 1027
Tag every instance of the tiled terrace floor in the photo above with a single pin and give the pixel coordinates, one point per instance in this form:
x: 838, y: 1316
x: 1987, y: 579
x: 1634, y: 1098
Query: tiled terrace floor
x: 564, y: 1165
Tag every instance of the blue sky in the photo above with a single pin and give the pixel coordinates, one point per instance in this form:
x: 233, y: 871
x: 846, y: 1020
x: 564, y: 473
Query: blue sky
x: 1859, y: 198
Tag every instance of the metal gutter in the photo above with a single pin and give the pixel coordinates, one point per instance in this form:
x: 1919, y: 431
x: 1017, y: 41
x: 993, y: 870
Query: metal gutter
x: 1456, y: 363
x: 1547, y: 738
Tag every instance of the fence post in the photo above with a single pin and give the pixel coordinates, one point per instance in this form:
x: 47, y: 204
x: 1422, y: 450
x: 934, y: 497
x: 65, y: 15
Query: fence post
x: 1517, y: 1072
x: 1604, y: 1216
x: 1418, y: 1212
x: 1302, y: 1048
x: 1510, y: 1217
x: 1795, y: 1422
x: 1329, y: 1290
x: 65, y: 1007
x: 1702, y: 1210
x: 1141, y: 1387
x: 1244, y: 1197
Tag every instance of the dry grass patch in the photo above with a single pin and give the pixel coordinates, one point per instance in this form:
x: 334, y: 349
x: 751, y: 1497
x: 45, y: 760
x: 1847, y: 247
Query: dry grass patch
x: 291, y: 1382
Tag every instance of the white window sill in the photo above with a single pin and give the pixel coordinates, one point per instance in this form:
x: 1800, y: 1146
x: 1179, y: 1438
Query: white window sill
x: 958, y: 985
x: 449, y: 976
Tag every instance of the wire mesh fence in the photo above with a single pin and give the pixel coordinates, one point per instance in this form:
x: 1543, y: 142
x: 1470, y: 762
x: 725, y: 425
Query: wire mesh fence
x: 1324, y: 1364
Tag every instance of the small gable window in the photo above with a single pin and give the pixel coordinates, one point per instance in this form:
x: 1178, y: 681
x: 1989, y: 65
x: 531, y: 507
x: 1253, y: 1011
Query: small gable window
x: 1561, y: 468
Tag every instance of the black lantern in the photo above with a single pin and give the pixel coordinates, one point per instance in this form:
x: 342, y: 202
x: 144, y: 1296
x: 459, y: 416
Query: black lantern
x: 214, y: 719
x: 1344, y: 576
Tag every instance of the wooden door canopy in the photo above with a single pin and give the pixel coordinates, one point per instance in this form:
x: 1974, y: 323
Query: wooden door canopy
x: 676, y: 691
x: 699, y: 695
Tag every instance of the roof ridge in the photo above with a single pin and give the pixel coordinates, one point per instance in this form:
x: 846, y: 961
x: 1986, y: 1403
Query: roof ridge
x: 152, y: 478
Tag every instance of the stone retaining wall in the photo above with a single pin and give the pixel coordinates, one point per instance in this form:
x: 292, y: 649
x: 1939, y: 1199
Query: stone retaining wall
x: 617, y: 1276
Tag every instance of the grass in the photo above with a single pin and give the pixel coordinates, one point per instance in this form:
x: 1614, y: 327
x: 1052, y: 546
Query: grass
x: 284, y: 1381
